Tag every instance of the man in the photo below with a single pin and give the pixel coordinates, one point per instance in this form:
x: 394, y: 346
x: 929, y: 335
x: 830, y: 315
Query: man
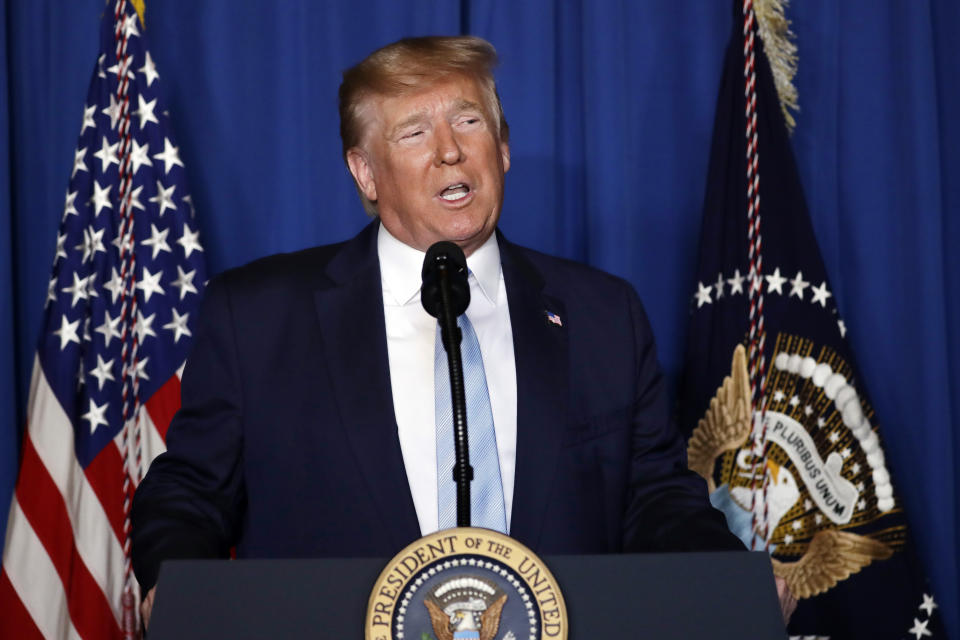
x: 308, y: 424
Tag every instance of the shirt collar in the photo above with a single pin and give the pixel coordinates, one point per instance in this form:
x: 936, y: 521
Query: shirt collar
x: 400, y: 267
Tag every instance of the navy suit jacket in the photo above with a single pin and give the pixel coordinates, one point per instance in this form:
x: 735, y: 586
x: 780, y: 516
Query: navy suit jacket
x: 286, y: 442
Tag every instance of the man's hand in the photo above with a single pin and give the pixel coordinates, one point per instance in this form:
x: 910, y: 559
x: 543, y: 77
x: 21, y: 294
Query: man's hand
x: 147, y: 606
x: 788, y: 603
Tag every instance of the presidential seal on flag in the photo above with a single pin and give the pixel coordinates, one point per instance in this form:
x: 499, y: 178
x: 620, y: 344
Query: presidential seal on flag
x: 823, y: 468
x: 466, y: 583
x: 778, y: 415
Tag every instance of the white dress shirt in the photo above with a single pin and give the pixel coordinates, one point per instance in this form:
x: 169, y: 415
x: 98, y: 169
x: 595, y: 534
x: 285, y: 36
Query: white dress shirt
x: 411, y: 336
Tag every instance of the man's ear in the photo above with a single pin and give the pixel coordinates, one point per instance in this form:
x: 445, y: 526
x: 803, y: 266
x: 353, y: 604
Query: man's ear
x: 505, y: 154
x: 362, y: 173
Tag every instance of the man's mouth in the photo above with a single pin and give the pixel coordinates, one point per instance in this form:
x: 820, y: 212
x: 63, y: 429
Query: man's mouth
x: 455, y: 192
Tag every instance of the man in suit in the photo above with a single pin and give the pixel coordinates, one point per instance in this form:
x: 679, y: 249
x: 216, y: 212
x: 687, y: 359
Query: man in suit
x: 308, y: 425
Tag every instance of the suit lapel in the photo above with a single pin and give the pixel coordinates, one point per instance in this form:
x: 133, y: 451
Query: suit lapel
x: 350, y: 310
x: 540, y: 351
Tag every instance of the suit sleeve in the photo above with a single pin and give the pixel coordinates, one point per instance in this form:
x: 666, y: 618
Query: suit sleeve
x: 667, y: 504
x: 190, y: 503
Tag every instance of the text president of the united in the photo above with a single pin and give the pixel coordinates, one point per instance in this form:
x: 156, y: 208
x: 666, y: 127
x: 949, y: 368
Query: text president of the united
x: 308, y: 421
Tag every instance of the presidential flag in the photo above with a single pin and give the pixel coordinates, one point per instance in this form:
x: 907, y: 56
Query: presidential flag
x: 780, y: 424
x: 127, y: 279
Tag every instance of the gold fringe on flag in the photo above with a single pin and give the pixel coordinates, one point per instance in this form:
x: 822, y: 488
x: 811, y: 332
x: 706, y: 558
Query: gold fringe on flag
x: 781, y: 50
x: 139, y: 6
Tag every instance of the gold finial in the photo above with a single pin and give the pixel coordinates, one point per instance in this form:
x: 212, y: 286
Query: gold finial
x: 139, y: 6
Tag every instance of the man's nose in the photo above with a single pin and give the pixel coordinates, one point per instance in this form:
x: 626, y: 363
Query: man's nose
x: 448, y: 150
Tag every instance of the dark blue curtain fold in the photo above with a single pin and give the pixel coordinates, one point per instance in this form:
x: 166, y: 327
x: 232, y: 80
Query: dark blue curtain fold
x: 611, y: 108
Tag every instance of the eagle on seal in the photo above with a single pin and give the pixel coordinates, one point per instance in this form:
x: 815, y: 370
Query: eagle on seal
x: 466, y: 608
x: 832, y: 555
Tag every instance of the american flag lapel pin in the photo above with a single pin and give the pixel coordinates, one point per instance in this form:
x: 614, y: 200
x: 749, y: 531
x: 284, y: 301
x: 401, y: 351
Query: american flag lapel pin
x: 553, y: 318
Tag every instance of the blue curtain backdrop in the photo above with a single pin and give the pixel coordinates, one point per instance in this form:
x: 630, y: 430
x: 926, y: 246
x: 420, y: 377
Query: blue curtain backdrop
x: 611, y: 106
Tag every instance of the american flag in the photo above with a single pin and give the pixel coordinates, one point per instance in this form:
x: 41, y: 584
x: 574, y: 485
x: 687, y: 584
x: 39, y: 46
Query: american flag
x: 127, y: 279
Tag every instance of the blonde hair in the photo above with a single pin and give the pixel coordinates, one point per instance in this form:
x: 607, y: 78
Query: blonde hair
x: 412, y: 64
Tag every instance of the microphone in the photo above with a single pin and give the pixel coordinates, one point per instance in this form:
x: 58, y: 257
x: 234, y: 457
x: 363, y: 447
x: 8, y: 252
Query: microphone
x: 445, y: 257
x: 445, y: 295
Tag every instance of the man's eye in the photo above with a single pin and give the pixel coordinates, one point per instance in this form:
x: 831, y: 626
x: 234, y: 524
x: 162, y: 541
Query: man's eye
x: 412, y: 134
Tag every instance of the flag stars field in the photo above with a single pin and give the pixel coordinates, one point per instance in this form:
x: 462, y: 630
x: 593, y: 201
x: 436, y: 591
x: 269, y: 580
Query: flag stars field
x: 107, y: 154
x: 133, y: 200
x: 703, y: 295
x: 61, y: 249
x: 129, y: 26
x: 110, y: 328
x: 157, y: 241
x: 144, y: 326
x: 88, y: 121
x: 117, y: 70
x: 100, y: 198
x: 95, y: 415
x: 736, y: 282
x: 140, y: 369
x: 92, y: 243
x: 149, y: 70
x: 928, y: 604
x: 79, y: 164
x: 170, y: 156
x: 189, y: 241
x: 67, y: 332
x: 919, y: 629
x: 78, y: 290
x: 149, y: 283
x: 114, y: 285
x: 51, y: 291
x: 164, y: 197
x: 718, y: 286
x: 775, y: 282
x: 102, y: 372
x: 138, y: 155
x: 145, y: 111
x: 797, y: 285
x: 69, y: 206
x: 178, y: 325
x: 820, y: 294
x: 184, y: 282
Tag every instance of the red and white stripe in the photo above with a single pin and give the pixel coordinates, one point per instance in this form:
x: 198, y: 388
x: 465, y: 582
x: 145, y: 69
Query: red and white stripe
x: 64, y: 563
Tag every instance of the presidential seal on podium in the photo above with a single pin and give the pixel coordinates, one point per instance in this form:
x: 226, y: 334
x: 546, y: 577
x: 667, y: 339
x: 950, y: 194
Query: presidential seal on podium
x: 466, y: 583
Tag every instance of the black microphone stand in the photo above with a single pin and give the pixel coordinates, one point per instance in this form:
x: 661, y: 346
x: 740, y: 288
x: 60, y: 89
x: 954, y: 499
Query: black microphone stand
x: 446, y: 300
x: 452, y: 337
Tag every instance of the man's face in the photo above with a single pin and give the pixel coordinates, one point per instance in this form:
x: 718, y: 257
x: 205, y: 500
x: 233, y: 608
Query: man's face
x: 433, y: 163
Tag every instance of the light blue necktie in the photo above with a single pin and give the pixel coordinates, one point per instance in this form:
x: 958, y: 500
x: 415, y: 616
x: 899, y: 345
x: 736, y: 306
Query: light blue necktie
x: 486, y: 490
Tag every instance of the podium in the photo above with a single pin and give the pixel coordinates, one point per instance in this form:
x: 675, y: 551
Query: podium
x: 721, y: 596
